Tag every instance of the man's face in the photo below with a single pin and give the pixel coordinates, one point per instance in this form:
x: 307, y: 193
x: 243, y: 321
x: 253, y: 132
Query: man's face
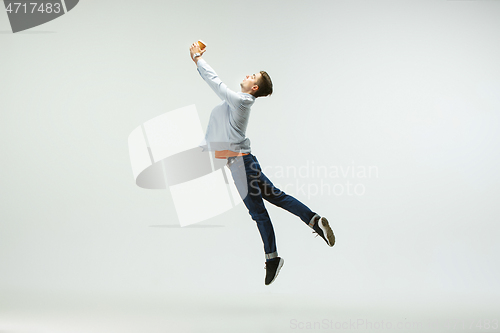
x: 249, y: 82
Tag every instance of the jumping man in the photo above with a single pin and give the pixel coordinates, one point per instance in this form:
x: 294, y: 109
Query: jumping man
x: 226, y: 137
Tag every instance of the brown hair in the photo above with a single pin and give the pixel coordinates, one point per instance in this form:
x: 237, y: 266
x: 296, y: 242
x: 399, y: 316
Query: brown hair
x: 265, y: 85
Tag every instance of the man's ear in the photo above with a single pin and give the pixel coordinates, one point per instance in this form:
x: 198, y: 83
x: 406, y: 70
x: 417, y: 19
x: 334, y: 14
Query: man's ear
x: 255, y: 88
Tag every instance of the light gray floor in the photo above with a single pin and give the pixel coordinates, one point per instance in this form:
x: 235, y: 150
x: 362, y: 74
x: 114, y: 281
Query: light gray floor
x: 241, y: 312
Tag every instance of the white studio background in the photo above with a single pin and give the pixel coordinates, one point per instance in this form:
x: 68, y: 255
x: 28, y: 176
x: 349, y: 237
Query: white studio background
x: 410, y: 89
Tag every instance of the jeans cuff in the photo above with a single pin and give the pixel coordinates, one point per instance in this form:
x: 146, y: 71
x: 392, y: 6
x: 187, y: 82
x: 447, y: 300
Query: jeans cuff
x: 313, y: 221
x: 271, y: 255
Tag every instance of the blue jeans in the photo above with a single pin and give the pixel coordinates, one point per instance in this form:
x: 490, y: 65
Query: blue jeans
x: 253, y: 186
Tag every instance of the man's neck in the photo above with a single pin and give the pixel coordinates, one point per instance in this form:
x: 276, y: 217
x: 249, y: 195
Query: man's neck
x: 247, y: 92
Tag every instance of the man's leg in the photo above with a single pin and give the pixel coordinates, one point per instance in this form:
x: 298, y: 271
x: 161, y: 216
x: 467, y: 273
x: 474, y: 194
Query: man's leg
x: 245, y: 172
x: 279, y: 198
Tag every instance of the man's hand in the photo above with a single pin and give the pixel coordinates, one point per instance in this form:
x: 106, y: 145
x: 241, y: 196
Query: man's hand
x: 195, y: 48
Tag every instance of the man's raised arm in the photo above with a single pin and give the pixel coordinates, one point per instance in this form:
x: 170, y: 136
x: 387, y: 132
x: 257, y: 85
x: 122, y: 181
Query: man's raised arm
x: 209, y: 75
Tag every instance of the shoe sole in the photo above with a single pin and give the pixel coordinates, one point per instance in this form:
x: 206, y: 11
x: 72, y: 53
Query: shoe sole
x: 282, y: 261
x: 327, y: 231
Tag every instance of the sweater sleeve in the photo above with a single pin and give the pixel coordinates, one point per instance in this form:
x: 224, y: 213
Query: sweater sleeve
x: 208, y: 74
